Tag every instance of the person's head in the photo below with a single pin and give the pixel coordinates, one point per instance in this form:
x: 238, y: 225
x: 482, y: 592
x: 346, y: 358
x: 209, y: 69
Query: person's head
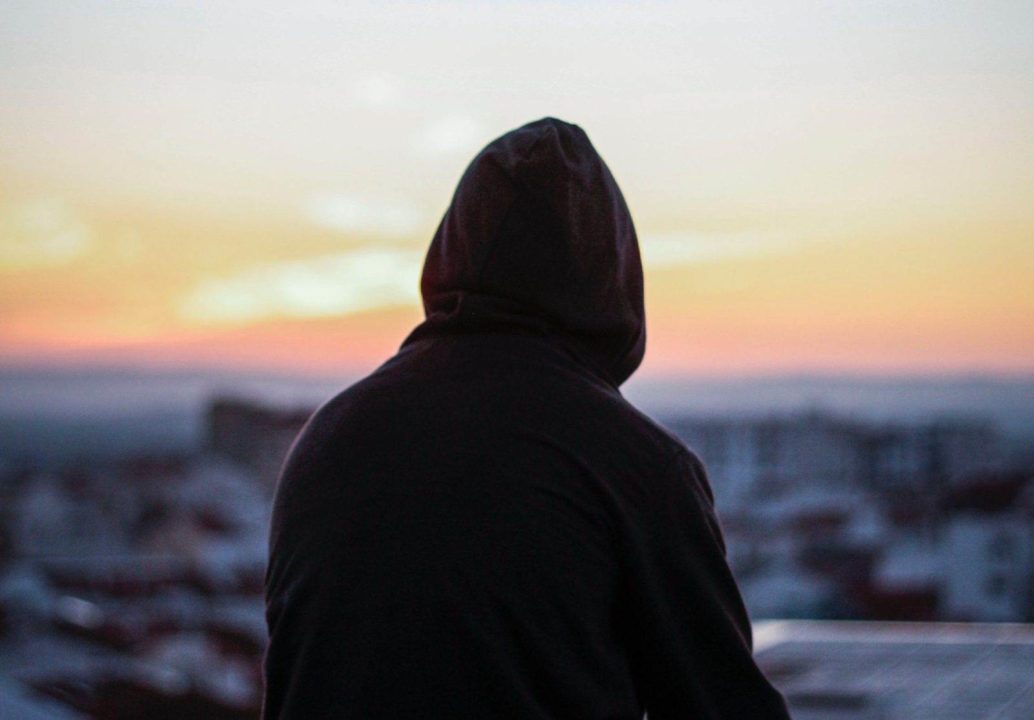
x: 538, y: 239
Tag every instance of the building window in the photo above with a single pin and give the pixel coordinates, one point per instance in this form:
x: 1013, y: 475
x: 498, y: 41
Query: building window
x: 995, y: 585
x: 767, y: 446
x: 1002, y: 546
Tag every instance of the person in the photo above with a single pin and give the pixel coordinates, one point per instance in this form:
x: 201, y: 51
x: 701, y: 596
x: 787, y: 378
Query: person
x: 484, y: 527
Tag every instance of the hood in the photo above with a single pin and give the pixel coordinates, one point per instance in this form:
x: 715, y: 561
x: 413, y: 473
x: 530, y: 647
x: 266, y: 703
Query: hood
x: 538, y: 239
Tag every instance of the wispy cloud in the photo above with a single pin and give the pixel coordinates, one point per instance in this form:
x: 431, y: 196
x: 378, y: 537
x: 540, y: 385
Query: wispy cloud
x: 41, y: 232
x: 339, y: 284
x: 377, y: 91
x: 450, y: 135
x: 673, y: 249
x: 370, y: 278
x: 362, y: 215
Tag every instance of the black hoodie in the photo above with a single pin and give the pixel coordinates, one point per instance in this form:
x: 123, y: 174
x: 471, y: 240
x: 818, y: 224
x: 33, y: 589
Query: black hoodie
x: 484, y: 527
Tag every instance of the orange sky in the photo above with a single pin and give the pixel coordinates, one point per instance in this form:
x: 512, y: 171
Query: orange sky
x: 815, y: 188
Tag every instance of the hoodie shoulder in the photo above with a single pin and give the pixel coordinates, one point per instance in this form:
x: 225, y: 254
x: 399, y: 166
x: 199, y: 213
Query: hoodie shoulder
x: 666, y: 443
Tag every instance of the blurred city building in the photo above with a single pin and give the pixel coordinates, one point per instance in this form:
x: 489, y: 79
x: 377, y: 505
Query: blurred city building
x: 254, y: 435
x: 134, y: 588
x: 830, y: 517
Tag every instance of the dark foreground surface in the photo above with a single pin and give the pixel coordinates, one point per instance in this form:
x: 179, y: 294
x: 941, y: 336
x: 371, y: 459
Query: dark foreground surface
x: 827, y: 670
x: 914, y: 671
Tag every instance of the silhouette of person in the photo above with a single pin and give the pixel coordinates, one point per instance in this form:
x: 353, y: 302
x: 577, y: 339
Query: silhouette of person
x: 484, y: 527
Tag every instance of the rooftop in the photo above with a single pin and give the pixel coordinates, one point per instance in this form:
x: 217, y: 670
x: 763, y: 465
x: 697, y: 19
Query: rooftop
x: 890, y: 671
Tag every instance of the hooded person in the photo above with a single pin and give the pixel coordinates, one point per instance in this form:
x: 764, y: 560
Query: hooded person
x: 484, y: 527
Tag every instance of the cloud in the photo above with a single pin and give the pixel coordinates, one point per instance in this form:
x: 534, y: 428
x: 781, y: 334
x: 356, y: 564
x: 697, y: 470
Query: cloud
x: 362, y: 215
x: 377, y: 91
x: 673, y: 249
x: 450, y: 135
x: 339, y: 284
x: 371, y: 278
x: 41, y: 232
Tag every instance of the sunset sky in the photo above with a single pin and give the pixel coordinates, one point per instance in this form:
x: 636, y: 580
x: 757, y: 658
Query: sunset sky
x: 817, y: 186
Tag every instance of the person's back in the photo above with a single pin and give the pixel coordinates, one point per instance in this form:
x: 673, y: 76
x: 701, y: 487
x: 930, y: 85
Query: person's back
x: 484, y: 527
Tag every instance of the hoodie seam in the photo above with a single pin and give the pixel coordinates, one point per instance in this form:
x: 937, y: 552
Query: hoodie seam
x: 519, y: 188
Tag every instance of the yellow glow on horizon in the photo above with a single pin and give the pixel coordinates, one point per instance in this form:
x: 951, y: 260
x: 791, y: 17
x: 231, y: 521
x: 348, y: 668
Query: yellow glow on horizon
x: 815, y: 187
